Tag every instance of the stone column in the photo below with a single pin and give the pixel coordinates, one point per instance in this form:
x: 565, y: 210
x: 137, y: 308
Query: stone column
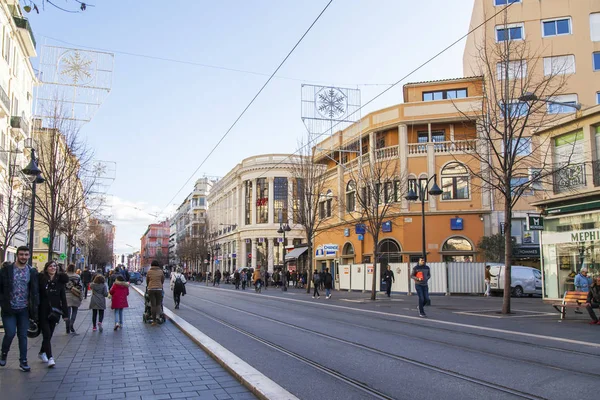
x: 270, y: 255
x: 253, y: 262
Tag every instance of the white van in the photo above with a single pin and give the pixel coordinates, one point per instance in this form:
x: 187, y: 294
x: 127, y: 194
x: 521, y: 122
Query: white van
x: 524, y: 280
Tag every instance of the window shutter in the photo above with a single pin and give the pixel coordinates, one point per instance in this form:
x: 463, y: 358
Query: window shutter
x: 595, y: 27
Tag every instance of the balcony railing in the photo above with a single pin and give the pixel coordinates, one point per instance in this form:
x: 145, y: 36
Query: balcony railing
x: 4, y: 98
x: 386, y: 152
x: 447, y: 147
x: 23, y: 23
x: 569, y: 177
x: 20, y: 123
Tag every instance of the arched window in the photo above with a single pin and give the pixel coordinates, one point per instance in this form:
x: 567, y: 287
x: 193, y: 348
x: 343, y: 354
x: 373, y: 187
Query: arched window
x: 457, y: 249
x: 325, y: 205
x: 348, y: 254
x: 389, y: 251
x: 350, y: 196
x: 455, y: 182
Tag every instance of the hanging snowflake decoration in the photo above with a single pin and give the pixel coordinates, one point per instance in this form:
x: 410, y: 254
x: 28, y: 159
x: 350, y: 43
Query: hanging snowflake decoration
x: 331, y: 103
x: 76, y: 67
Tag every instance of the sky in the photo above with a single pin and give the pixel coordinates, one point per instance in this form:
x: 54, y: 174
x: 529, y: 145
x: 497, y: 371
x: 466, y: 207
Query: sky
x: 174, y: 94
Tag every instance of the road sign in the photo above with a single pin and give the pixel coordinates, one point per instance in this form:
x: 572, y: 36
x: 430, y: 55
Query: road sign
x: 535, y: 223
x: 77, y: 250
x: 82, y: 259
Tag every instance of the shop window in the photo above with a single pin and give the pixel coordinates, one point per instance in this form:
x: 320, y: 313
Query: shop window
x: 455, y: 182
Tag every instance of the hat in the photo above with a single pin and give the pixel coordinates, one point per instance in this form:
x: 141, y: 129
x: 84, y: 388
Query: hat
x: 583, y: 269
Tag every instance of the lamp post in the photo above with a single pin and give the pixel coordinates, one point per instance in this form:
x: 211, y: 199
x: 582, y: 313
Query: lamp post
x: 283, y: 228
x: 412, y: 196
x: 35, y: 173
x: 528, y: 96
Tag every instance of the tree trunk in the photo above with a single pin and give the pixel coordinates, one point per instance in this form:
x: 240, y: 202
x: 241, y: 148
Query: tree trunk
x: 507, y: 258
x: 309, y: 267
x: 374, y: 283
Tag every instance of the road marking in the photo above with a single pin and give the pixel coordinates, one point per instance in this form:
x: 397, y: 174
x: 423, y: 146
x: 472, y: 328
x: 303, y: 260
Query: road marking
x: 482, y: 313
x: 456, y: 324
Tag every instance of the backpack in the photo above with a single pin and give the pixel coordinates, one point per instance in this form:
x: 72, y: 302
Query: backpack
x: 317, y: 278
x: 179, y: 287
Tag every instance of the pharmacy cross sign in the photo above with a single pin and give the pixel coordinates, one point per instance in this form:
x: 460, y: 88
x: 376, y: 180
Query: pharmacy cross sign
x: 535, y: 223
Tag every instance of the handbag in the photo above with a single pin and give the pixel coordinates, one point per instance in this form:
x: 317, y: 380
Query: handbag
x: 55, y: 315
x: 75, y: 291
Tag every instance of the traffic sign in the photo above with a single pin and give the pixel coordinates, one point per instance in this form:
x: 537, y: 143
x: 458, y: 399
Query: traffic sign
x: 82, y: 259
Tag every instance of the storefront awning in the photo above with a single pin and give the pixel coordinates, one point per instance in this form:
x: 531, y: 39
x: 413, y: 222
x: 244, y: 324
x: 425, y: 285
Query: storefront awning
x: 592, y: 205
x: 294, y: 254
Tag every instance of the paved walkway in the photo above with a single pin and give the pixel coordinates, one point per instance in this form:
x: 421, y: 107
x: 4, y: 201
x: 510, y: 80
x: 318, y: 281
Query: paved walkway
x: 116, y: 365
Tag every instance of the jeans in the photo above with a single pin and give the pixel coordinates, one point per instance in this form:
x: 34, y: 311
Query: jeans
x: 47, y: 332
x: 177, y: 298
x: 85, y: 290
x: 72, y: 316
x: 590, y: 311
x: 423, y: 292
x: 327, y: 292
x: 119, y: 316
x: 155, y: 302
x: 487, y: 287
x: 316, y: 291
x: 96, y: 314
x: 16, y: 323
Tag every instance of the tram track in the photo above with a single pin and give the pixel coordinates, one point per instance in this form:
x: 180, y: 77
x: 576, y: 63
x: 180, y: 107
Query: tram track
x: 338, y: 375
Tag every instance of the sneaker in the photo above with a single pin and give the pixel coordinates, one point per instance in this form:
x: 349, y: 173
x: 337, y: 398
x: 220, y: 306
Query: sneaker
x: 578, y: 311
x: 313, y: 297
x: 51, y: 362
x: 24, y: 367
x: 43, y: 357
x: 3, y: 359
x: 100, y: 326
x: 422, y: 315
x: 94, y: 329
x: 116, y: 327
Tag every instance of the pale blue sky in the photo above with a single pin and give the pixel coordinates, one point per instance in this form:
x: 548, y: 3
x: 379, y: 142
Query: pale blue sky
x: 162, y: 118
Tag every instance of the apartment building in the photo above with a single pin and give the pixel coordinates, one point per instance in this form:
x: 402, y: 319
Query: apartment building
x: 155, y: 244
x: 430, y: 134
x: 17, y: 79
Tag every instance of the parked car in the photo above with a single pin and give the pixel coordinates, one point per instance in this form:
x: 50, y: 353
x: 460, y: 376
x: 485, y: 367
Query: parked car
x: 135, y: 277
x: 523, y: 280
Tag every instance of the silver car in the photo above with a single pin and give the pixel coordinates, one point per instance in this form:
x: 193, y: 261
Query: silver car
x: 524, y: 280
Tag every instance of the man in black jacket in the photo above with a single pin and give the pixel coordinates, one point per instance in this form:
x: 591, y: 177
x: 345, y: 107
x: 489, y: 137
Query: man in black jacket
x: 388, y: 277
x: 20, y: 300
x: 86, y: 278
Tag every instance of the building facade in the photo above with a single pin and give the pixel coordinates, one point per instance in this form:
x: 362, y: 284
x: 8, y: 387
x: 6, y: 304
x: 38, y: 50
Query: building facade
x: 570, y: 211
x: 246, y: 208
x: 427, y: 135
x: 155, y: 244
x: 17, y: 80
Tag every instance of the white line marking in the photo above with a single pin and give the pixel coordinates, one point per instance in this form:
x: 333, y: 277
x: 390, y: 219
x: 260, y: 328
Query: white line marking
x: 457, y: 324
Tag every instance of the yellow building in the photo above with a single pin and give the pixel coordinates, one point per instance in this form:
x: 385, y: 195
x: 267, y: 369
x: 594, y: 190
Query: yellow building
x: 428, y: 134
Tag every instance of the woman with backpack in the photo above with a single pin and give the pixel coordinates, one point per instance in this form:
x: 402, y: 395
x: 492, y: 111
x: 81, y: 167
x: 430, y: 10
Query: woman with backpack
x: 53, y: 307
x: 119, y: 292
x: 74, y: 291
x: 178, y: 286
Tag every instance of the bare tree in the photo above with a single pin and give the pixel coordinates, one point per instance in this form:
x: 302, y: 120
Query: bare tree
x: 517, y: 101
x: 14, y: 202
x: 63, y: 159
x: 375, y: 191
x: 309, y: 186
x: 99, y: 249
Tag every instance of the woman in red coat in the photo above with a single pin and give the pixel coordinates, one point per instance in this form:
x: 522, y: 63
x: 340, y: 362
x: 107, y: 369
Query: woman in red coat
x: 119, y: 292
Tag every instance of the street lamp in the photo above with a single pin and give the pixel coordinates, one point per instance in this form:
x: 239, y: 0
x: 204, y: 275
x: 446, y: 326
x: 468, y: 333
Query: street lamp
x: 529, y: 96
x: 412, y: 196
x: 283, y: 228
x: 35, y: 173
x: 215, y: 256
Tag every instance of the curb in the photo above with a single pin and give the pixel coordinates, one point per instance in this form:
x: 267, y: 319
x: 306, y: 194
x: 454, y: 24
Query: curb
x: 259, y: 384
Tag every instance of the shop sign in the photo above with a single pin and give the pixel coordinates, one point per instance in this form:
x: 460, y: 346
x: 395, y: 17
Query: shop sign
x: 535, y: 223
x: 456, y: 224
x: 386, y: 226
x: 526, y: 251
x: 319, y: 251
x: 586, y: 235
x: 330, y: 249
x: 346, y: 270
x: 360, y: 229
x: 361, y: 237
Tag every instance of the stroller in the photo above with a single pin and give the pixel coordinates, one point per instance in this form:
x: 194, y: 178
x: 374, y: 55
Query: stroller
x: 147, y: 316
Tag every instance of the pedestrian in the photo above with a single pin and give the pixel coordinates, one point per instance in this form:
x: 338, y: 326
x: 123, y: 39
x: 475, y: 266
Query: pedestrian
x: 256, y: 276
x: 266, y: 279
x: 488, y: 279
x: 119, y: 292
x: 316, y: 282
x: 593, y: 300
x: 236, y: 280
x: 154, y: 285
x: 388, y: 277
x: 421, y: 275
x: 111, y: 278
x: 53, y: 307
x: 328, y: 283
x: 217, y: 278
x: 86, y: 279
x: 322, y: 281
x: 19, y: 301
x: 178, y: 286
x: 582, y: 283
x: 244, y: 278
x: 74, y: 290
x: 98, y: 301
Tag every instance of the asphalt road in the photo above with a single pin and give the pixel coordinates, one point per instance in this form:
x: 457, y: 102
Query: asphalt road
x: 349, y: 348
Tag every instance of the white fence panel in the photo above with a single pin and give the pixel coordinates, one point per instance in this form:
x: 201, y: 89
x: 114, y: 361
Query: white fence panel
x: 369, y: 278
x: 438, y: 282
x: 401, y: 277
x: 357, y: 277
x: 465, y: 277
x: 344, y: 277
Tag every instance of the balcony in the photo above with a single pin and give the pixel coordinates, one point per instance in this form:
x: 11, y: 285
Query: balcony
x: 448, y: 147
x: 386, y: 152
x: 26, y: 34
x: 20, y: 123
x: 4, y: 103
x: 569, y: 178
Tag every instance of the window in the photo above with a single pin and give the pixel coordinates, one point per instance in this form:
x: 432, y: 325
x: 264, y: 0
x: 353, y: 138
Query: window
x: 457, y: 244
x: 365, y: 197
x: 325, y: 205
x: 298, y: 200
x: 380, y: 140
x: 520, y: 186
x: 596, y: 61
x: 559, y: 65
x: 388, y: 194
x: 510, y: 32
x: 535, y: 178
x: 445, y: 94
x: 516, y: 69
x: 423, y: 187
x: 436, y: 137
x: 455, y: 182
x: 350, y: 196
x: 397, y: 191
x: 201, y: 201
x: 595, y: 27
x: 556, y: 27
x: 262, y: 201
x: 521, y: 147
x: 563, y: 104
x: 280, y: 199
x: 516, y: 109
x: 597, y: 97
x: 505, y: 2
x: 389, y: 251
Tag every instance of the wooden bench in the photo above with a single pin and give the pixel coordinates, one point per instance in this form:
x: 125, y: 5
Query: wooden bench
x: 570, y: 300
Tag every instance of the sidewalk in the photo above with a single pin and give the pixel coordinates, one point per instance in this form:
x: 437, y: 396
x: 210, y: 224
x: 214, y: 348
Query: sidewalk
x: 138, y: 362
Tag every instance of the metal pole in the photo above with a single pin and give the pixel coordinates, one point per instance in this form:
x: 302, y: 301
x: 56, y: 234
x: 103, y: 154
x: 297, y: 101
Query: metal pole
x: 284, y: 268
x: 422, y: 194
x: 31, y: 223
